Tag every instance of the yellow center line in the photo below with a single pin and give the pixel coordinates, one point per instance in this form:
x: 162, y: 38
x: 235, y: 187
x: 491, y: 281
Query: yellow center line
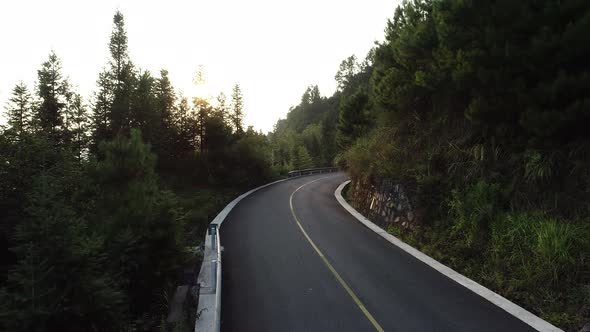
x: 355, y: 298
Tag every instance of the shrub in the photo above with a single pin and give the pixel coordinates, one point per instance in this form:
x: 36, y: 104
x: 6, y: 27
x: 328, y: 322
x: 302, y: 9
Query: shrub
x: 531, y: 249
x: 473, y: 211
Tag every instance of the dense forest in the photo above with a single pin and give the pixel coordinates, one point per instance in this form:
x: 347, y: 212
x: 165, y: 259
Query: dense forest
x: 100, y: 199
x: 480, y: 110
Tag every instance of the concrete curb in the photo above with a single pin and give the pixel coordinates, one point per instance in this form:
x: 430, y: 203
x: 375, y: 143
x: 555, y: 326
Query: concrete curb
x: 515, y: 310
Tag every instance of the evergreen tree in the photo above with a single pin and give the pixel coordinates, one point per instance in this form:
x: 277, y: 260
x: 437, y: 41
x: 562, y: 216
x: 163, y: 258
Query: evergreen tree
x: 60, y: 282
x: 184, y: 124
x: 353, y: 122
x: 221, y: 109
x: 166, y: 103
x: 79, y: 126
x: 53, y: 91
x: 19, y: 111
x: 122, y: 76
x: 202, y: 111
x: 143, y: 229
x: 312, y: 140
x: 143, y: 111
x: 237, y: 110
x: 302, y: 159
x: 349, y: 68
x: 103, y: 100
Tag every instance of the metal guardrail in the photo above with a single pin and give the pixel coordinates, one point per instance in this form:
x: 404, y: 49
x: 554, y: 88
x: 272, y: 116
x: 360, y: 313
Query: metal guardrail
x: 209, y: 308
x: 218, y: 248
x: 308, y: 171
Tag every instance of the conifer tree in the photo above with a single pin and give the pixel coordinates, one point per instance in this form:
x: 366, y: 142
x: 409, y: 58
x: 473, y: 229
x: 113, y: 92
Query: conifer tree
x: 52, y: 90
x: 115, y: 86
x: 166, y: 101
x: 221, y: 109
x: 79, y: 126
x: 103, y: 99
x: 19, y: 110
x: 203, y: 111
x: 237, y: 109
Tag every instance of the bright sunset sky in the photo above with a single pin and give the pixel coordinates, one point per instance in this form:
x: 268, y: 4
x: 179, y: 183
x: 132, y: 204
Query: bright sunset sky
x: 273, y: 49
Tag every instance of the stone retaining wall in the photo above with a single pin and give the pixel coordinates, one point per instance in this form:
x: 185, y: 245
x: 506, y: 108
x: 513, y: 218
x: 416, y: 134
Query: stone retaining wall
x: 383, y: 202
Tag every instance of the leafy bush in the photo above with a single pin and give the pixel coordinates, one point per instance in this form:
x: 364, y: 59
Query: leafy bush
x: 473, y: 211
x: 534, y: 248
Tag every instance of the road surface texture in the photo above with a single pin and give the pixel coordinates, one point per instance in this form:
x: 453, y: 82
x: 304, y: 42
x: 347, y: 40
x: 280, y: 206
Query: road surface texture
x: 275, y: 280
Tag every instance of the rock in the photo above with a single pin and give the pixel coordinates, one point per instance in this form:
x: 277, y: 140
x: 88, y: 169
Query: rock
x: 396, y: 220
x: 410, y: 216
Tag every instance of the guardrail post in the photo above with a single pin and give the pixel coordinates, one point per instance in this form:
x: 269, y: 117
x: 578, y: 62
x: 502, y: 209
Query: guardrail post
x: 212, y: 233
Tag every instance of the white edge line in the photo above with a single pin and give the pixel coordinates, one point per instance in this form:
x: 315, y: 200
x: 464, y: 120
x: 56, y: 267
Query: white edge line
x: 515, y: 310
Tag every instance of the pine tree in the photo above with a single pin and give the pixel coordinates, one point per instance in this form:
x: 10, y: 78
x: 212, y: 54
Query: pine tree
x: 67, y: 114
x: 166, y: 100
x: 183, y: 124
x: 221, y: 109
x: 53, y: 90
x: 19, y: 111
x: 79, y: 126
x: 353, y: 121
x: 57, y: 253
x: 122, y: 75
x: 203, y: 111
x: 302, y: 159
x: 103, y: 100
x: 237, y: 109
x: 349, y: 68
x: 143, y: 110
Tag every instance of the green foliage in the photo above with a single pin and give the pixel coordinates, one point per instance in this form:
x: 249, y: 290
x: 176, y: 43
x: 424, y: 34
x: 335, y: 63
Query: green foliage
x: 353, y: 122
x: 237, y: 109
x: 19, y: 111
x: 537, y: 167
x: 311, y: 125
x: 53, y: 91
x: 312, y: 141
x: 302, y: 159
x: 480, y: 117
x: 474, y: 211
x: 251, y: 154
x: 59, y: 277
x: 91, y: 238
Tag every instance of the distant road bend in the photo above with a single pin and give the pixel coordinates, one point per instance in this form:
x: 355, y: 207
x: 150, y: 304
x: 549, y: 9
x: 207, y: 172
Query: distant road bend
x: 295, y: 260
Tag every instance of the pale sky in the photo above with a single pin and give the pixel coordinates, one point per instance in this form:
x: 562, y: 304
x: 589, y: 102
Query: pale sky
x: 273, y: 49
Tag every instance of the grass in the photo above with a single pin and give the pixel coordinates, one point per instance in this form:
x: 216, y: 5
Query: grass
x: 539, y: 262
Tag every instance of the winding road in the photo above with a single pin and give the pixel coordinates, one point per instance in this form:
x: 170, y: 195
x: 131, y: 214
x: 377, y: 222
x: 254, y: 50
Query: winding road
x: 295, y: 260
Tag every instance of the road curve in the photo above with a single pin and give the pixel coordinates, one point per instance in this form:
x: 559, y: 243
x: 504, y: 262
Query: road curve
x: 275, y: 280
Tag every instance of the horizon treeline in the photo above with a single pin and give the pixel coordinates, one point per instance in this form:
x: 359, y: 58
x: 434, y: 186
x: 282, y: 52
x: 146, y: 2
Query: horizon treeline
x: 480, y: 110
x: 93, y: 237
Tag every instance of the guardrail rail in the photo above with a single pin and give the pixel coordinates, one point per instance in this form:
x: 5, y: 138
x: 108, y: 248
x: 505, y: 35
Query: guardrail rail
x: 309, y: 171
x: 209, y: 280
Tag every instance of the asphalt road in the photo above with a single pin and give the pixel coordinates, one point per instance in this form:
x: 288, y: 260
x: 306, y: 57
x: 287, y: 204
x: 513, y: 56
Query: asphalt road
x: 274, y: 279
